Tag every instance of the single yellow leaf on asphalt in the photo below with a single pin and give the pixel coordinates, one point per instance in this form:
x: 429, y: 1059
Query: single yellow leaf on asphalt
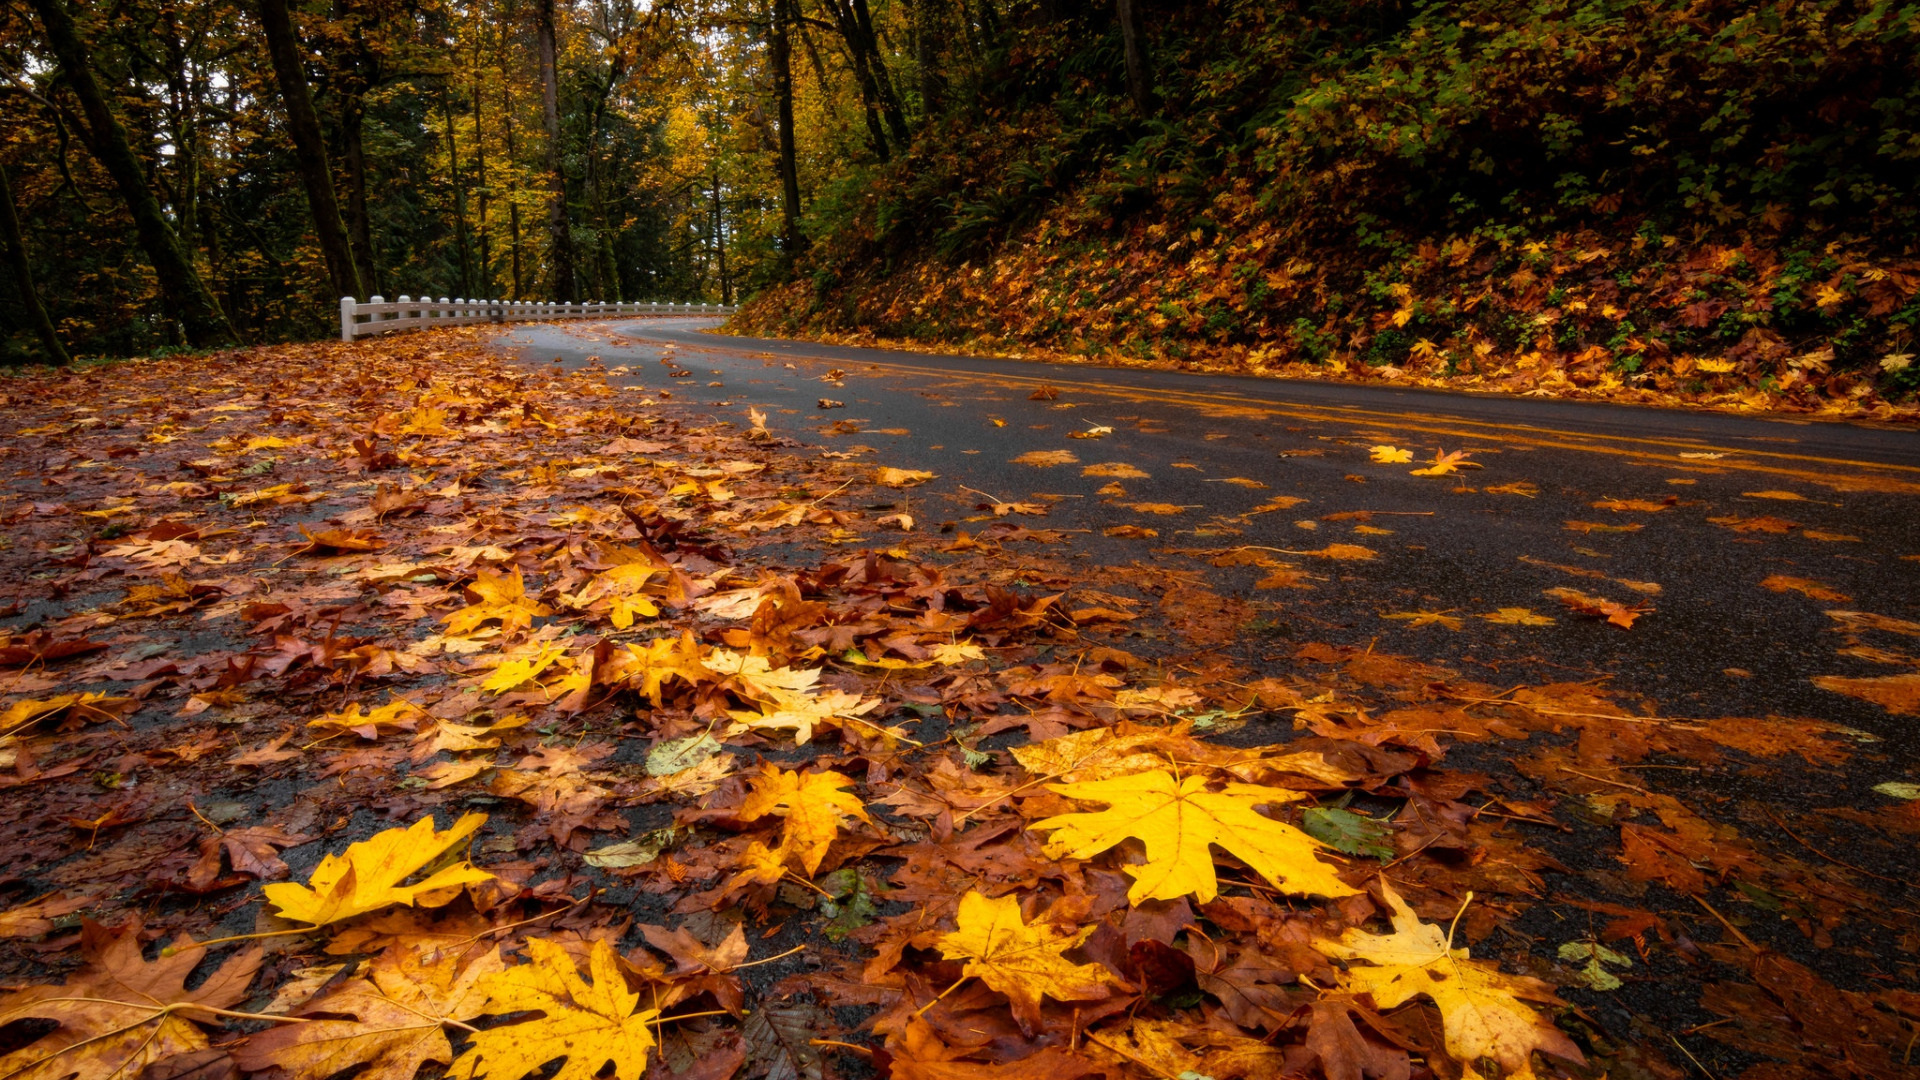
x: 368, y: 877
x: 1179, y: 820
x: 1427, y: 618
x: 899, y: 478
x: 588, y: 1024
x: 1343, y: 552
x: 1445, y: 463
x: 1480, y: 1006
x: 1391, y: 455
x: 1019, y: 959
x: 1118, y: 470
x: 1517, y: 616
x: 1043, y: 458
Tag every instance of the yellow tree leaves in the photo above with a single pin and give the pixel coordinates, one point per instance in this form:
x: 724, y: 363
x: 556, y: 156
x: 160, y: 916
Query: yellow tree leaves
x: 369, y: 876
x: 396, y: 1017
x: 1480, y: 1006
x: 814, y: 807
x: 121, y: 1013
x: 1179, y: 821
x: 1021, y: 960
x: 587, y: 1023
x: 502, y: 599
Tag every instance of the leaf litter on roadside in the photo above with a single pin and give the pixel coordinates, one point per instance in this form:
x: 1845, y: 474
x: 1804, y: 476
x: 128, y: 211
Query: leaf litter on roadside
x: 398, y: 759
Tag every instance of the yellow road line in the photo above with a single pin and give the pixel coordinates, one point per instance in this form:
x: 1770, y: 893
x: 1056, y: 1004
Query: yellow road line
x: 1665, y: 450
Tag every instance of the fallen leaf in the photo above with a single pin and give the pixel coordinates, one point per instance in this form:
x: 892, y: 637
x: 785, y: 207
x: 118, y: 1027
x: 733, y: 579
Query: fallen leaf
x: 368, y: 877
x: 1021, y: 960
x: 1481, y: 1007
x: 1898, y: 694
x: 1517, y: 616
x: 1178, y: 820
x: 591, y: 1025
x: 397, y: 1014
x: 1390, y: 455
x: 900, y: 478
x: 1043, y: 458
x: 121, y: 1013
x: 1807, y: 587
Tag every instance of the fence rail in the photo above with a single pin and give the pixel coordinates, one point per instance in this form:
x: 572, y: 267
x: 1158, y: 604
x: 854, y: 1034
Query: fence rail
x: 381, y: 316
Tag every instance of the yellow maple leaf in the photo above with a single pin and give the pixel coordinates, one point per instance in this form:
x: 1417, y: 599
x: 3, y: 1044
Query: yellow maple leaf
x: 815, y: 806
x: 502, y: 598
x: 93, y: 706
x: 521, y: 669
x: 1179, y: 820
x: 588, y: 1024
x: 1021, y: 960
x: 398, y: 1012
x: 1517, y: 616
x: 396, y: 715
x: 801, y: 713
x: 949, y: 653
x: 1445, y: 463
x: 368, y: 877
x: 1480, y: 1006
x: 899, y: 478
x: 1426, y: 618
x: 648, y: 668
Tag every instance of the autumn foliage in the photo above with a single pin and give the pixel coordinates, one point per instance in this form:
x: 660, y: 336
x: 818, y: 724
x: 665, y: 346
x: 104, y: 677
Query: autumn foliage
x: 401, y: 708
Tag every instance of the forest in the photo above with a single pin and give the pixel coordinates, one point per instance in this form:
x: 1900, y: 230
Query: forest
x: 1695, y: 197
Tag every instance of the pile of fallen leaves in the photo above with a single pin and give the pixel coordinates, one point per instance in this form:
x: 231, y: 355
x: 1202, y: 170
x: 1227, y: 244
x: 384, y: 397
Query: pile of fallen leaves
x: 395, y: 706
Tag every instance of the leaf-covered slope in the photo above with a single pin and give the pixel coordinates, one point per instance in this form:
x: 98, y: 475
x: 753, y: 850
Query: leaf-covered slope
x: 1705, y: 201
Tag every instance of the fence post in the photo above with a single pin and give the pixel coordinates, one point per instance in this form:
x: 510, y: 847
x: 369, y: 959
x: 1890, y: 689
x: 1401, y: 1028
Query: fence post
x: 346, y: 318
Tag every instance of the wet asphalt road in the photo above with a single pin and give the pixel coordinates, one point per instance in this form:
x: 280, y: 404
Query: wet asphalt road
x: 1716, y: 643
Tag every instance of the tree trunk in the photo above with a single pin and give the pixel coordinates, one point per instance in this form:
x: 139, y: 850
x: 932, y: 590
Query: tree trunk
x: 310, y: 149
x: 459, y: 198
x: 883, y: 82
x: 353, y: 116
x: 559, y: 230
x: 22, y: 268
x: 1139, y: 84
x: 928, y: 28
x: 780, y: 55
x: 513, y: 204
x: 480, y: 181
x: 847, y: 22
x: 179, y: 279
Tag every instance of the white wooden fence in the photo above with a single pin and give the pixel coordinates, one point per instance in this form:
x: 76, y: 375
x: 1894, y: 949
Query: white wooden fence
x: 380, y: 315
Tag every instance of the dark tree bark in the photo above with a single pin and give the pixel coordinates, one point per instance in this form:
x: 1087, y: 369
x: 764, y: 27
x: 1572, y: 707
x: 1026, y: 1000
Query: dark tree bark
x: 780, y: 56
x: 883, y: 82
x: 480, y: 181
x: 1139, y: 82
x: 867, y: 75
x: 459, y: 198
x: 310, y: 149
x: 513, y: 204
x: 180, y: 283
x: 929, y: 27
x: 22, y: 268
x: 559, y: 229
